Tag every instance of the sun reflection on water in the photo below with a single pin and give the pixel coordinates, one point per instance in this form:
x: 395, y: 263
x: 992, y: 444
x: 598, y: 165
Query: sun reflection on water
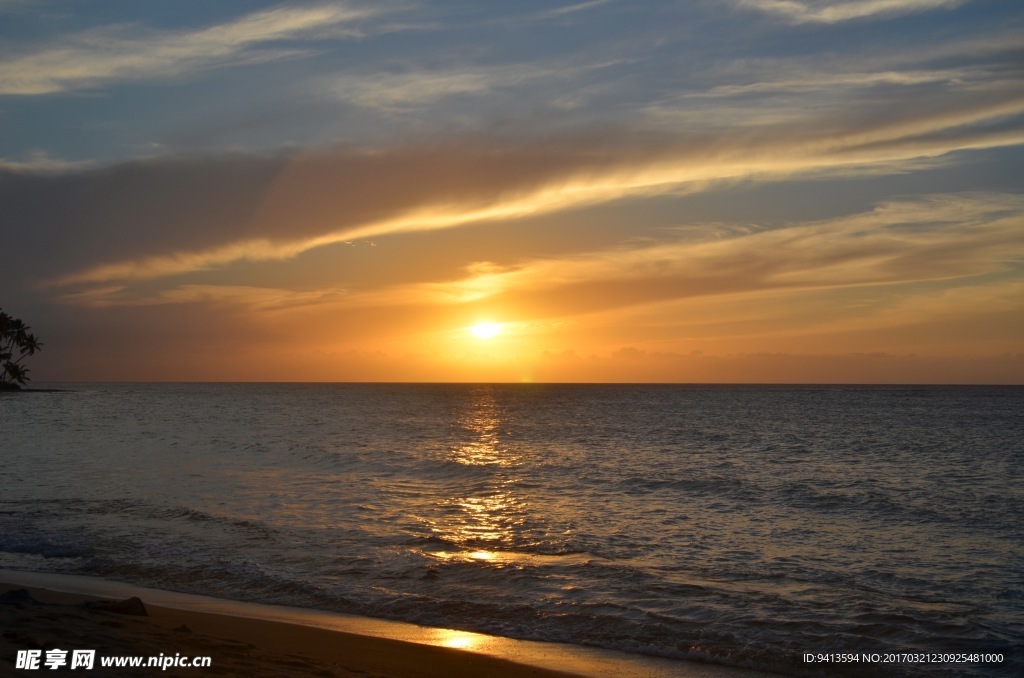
x: 482, y: 422
x: 485, y: 517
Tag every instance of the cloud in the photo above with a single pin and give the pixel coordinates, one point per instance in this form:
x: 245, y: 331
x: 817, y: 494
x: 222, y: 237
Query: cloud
x: 41, y: 162
x: 162, y: 217
x: 842, y: 87
x: 935, y: 238
x: 396, y: 91
x: 832, y: 81
x: 897, y: 243
x: 572, y: 9
x: 233, y: 297
x: 400, y: 91
x: 836, y: 11
x: 130, y: 53
x: 165, y: 216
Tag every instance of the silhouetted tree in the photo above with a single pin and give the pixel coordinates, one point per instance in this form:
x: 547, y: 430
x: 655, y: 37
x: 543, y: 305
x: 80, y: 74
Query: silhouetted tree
x: 15, y: 345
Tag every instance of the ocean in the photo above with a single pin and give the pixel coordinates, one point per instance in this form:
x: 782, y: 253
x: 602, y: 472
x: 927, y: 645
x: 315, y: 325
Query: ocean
x: 746, y: 526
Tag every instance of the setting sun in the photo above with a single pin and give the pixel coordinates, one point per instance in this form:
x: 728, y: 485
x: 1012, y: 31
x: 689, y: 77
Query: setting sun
x: 486, y: 330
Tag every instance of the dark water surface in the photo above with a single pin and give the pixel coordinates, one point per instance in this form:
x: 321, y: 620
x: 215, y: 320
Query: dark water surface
x: 744, y: 525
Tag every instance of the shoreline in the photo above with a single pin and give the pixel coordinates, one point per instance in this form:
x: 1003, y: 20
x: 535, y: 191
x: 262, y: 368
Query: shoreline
x: 272, y: 640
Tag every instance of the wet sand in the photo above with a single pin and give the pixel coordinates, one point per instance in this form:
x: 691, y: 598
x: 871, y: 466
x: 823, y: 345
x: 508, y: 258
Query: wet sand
x: 237, y: 646
x: 290, y: 643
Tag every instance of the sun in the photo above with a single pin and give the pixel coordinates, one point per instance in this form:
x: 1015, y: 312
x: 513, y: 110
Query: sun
x: 485, y: 330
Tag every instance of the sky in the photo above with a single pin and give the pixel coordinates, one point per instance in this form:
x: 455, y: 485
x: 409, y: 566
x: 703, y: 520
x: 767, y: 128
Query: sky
x: 744, y: 191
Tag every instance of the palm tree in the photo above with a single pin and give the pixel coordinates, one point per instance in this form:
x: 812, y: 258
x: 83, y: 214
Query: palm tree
x: 16, y: 343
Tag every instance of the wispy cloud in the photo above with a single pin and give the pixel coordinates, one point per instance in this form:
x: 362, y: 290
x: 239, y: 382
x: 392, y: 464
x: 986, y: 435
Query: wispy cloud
x: 788, y: 90
x: 409, y: 90
x: 396, y: 91
x: 578, y: 7
x: 292, y: 204
x: 840, y: 81
x: 236, y: 297
x: 132, y: 53
x: 836, y: 11
x: 40, y: 162
x: 934, y: 238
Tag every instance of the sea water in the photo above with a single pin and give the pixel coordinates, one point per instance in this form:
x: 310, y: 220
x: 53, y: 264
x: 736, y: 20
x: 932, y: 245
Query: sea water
x: 741, y: 525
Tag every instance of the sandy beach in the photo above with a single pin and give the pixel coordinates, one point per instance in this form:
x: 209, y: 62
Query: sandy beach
x: 35, y: 618
x: 236, y: 646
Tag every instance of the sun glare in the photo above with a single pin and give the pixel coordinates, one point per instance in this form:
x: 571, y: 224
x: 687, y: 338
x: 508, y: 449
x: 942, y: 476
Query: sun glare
x: 485, y: 330
x: 458, y: 642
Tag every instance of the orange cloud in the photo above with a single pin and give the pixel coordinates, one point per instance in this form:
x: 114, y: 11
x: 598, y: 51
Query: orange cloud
x: 317, y: 199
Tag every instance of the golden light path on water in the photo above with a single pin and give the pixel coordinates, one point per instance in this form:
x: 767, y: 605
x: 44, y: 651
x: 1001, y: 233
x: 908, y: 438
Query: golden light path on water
x: 484, y: 520
x: 487, y: 520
